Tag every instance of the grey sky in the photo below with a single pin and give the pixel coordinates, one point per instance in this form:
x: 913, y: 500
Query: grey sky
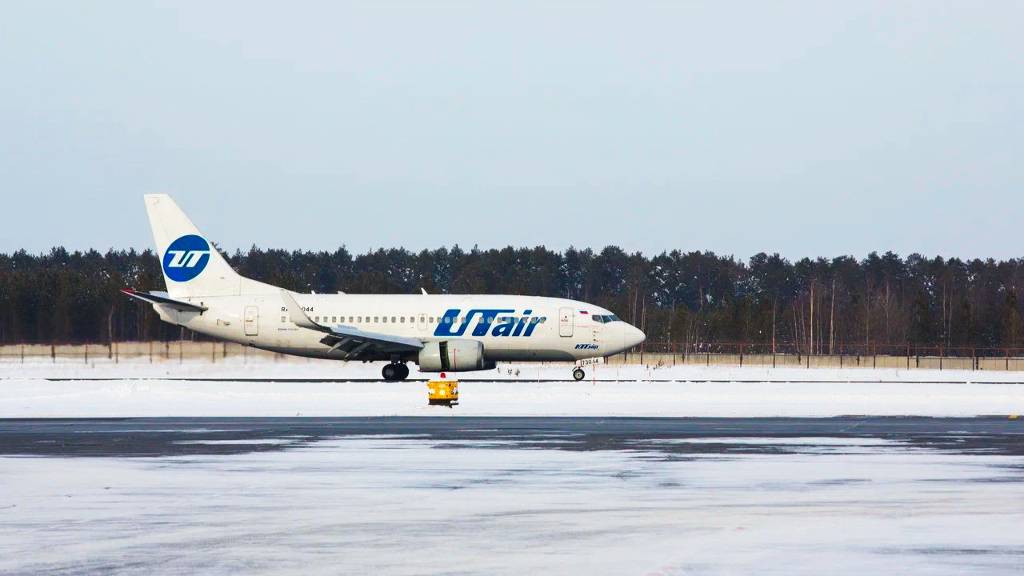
x: 808, y: 128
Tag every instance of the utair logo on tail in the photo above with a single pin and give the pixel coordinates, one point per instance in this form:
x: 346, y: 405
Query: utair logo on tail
x: 186, y: 258
x: 504, y: 320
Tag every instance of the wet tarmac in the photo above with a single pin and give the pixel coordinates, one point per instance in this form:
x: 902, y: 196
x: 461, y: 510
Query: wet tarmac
x: 137, y: 437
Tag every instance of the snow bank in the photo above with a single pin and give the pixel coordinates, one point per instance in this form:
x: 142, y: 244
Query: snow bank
x: 298, y: 369
x: 141, y: 390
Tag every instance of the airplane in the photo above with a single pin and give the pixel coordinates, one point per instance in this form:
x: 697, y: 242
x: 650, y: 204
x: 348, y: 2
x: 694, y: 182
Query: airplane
x: 439, y: 332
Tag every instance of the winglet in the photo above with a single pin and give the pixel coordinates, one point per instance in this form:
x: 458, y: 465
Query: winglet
x: 297, y: 315
x: 423, y: 291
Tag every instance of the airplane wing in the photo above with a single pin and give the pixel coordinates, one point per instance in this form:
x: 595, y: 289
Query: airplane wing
x: 349, y: 339
x: 163, y: 298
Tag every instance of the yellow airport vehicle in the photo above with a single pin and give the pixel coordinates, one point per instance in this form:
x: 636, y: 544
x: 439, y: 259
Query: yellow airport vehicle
x: 443, y: 392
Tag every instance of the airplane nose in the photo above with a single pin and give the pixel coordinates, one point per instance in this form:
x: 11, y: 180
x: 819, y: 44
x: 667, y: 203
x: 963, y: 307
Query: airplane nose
x: 632, y: 336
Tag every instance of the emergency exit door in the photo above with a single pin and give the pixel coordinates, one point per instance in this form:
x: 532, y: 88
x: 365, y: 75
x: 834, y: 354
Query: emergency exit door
x: 565, y: 319
x: 252, y: 321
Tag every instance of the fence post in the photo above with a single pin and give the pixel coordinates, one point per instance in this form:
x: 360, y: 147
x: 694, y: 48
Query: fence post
x: 22, y: 353
x: 53, y: 353
x: 181, y: 350
x: 117, y: 353
x: 86, y: 353
x: 213, y: 352
x: 741, y: 355
x: 150, y: 351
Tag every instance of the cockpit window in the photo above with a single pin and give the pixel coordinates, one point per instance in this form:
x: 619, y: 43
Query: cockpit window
x: 605, y: 318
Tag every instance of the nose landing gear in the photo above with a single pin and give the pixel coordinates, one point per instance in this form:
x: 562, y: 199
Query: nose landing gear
x: 578, y: 374
x: 395, y: 372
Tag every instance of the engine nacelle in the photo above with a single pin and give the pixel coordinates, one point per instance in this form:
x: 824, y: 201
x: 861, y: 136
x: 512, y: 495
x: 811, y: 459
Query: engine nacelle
x: 453, y: 356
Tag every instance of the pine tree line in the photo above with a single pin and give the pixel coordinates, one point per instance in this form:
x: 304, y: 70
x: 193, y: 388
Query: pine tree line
x: 692, y: 299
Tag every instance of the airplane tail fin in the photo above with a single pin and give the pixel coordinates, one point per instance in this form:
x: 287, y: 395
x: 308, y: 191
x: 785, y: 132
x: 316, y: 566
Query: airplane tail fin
x: 192, y: 266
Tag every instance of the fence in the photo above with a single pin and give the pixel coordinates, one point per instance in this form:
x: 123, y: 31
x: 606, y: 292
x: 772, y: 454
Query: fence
x: 651, y: 353
x: 787, y: 355
x: 135, y: 352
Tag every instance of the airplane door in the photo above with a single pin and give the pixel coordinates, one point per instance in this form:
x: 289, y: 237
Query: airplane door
x: 565, y: 317
x: 252, y: 321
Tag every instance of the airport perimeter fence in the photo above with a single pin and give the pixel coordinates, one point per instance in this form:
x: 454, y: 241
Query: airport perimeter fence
x: 650, y: 354
x: 788, y: 355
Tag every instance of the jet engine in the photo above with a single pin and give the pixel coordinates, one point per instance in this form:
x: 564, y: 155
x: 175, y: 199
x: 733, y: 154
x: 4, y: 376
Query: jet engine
x: 453, y: 356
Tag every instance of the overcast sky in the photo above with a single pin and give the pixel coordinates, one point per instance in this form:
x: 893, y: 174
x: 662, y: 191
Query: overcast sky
x: 807, y: 128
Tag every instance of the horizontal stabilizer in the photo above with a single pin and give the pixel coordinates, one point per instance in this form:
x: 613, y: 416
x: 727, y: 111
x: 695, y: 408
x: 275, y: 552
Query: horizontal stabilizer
x: 163, y: 298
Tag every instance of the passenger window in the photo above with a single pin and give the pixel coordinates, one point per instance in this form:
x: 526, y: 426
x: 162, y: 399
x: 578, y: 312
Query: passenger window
x: 392, y: 319
x: 385, y: 319
x: 334, y: 318
x: 376, y: 319
x: 403, y: 319
x: 283, y: 319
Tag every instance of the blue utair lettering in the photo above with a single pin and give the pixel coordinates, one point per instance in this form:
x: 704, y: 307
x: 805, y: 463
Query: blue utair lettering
x: 586, y: 346
x: 485, y: 318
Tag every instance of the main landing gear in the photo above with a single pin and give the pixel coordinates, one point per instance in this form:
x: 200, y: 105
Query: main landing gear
x: 578, y: 374
x: 395, y: 372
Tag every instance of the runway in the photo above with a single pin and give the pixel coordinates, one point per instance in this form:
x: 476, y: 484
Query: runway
x: 155, y: 437
x: 444, y: 495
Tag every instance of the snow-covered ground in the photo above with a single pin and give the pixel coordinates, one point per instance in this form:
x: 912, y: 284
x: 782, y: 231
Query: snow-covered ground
x: 403, y: 505
x: 290, y: 389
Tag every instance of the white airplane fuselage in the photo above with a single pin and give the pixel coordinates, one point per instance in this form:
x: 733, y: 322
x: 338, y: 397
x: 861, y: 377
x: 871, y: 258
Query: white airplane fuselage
x: 565, y: 330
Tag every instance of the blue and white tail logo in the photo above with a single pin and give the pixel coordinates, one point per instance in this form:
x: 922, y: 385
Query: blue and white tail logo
x: 186, y: 258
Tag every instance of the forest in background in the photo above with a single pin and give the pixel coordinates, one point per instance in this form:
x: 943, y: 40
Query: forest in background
x: 694, y: 300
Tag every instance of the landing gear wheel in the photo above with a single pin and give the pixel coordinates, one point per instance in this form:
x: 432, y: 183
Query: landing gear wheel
x: 395, y: 372
x: 578, y: 374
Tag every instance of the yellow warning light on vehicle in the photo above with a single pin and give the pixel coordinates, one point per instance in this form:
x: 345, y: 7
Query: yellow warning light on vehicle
x: 443, y: 392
